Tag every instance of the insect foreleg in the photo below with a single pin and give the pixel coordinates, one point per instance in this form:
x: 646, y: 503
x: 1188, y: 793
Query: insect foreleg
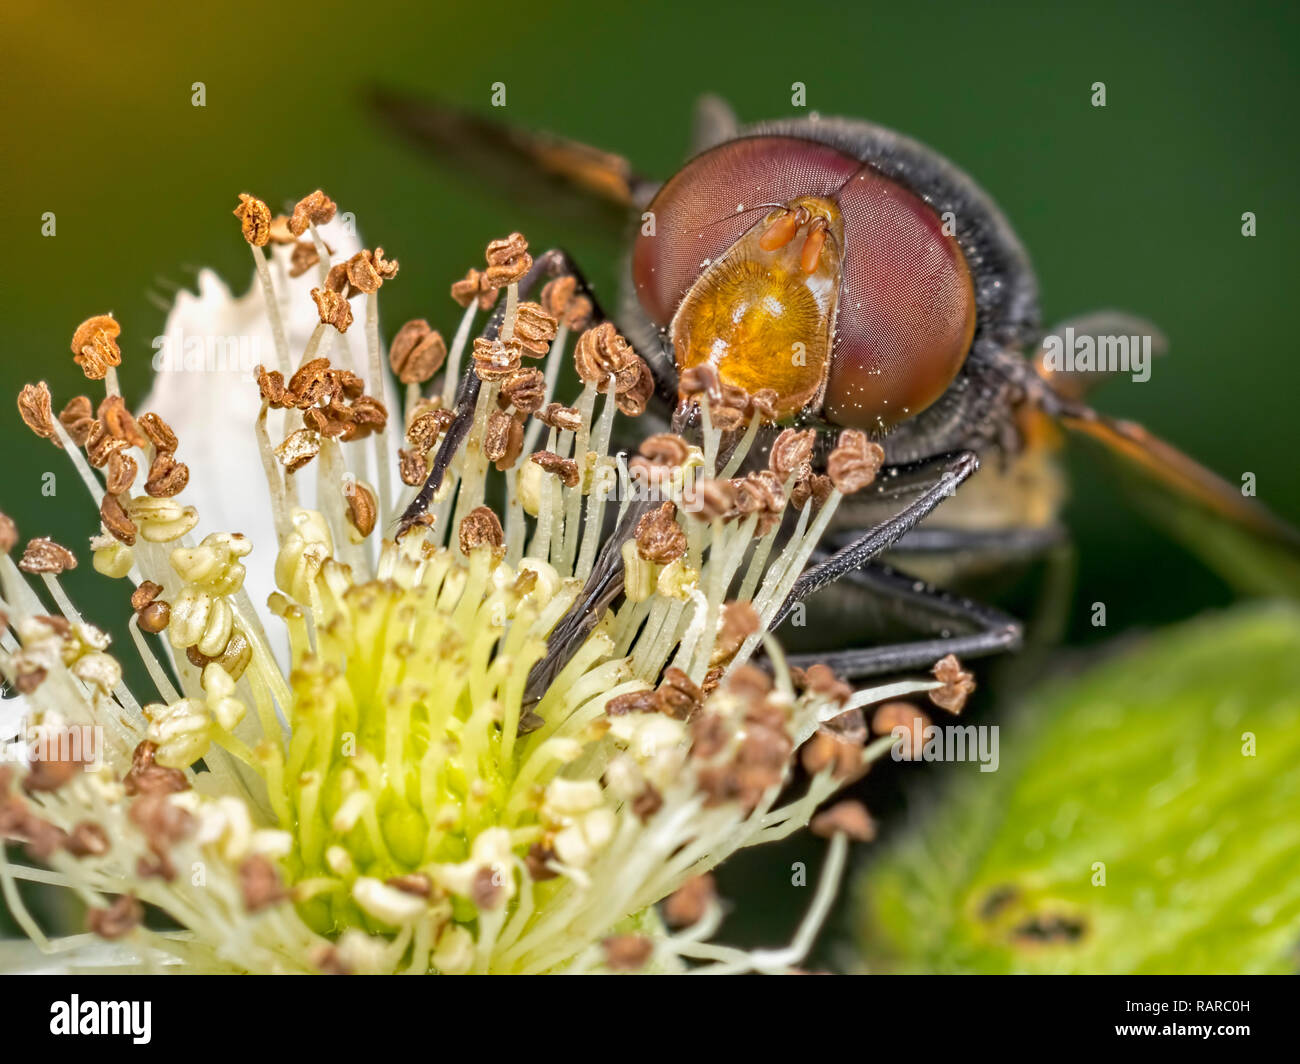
x: 881, y: 537
x: 988, y: 630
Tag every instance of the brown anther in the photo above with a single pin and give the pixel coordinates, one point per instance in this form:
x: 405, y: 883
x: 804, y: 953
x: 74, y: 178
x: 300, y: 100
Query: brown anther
x: 665, y: 449
x: 94, y: 346
x: 765, y: 750
x: 254, y: 220
x: 627, y: 953
x: 503, y: 439
x: 496, y: 360
x: 659, y: 538
x: 336, y: 281
x: 366, y: 415
x: 167, y: 477
x: 698, y: 382
x: 791, y: 452
x: 270, y: 383
x: 121, y: 472
x: 712, y: 680
x: 88, y: 839
x: 115, y: 518
x: 313, y: 383
x: 647, y: 803
x: 632, y: 400
x: 77, y: 418
x: 652, y: 479
x: 480, y: 528
x: 155, y: 866
x: 508, y: 260
x: 602, y: 353
x: 633, y: 702
x: 525, y: 391
x: 332, y: 308
x: 749, y: 682
x: 471, y: 288
x: 119, y: 422
x: 849, y: 818
x: 854, y: 462
x: 44, y: 839
x: 761, y: 493
x: 28, y: 680
x: 957, y: 684
x: 713, y: 500
x: 43, y: 555
x: 564, y: 468
x: 562, y: 301
x: 144, y: 594
x: 160, y: 433
x: 259, y: 883
x: 824, y: 750
x: 738, y: 622
x: 677, y: 696
x: 415, y: 883
x: 329, y: 961
x: 726, y: 418
x: 412, y: 466
x: 690, y: 902
x: 101, y: 445
x: 8, y: 533
x: 147, y: 777
x: 821, y: 680
x: 812, y: 486
x: 763, y: 403
x: 559, y: 416
x: 154, y: 617
x: 280, y: 231
x: 363, y: 510
x: 316, y: 208
x: 534, y: 328
x: 426, y: 427
x: 417, y: 352
x: 906, y: 722
x: 303, y: 257
x: 537, y: 859
x: 367, y: 270
x: 118, y: 920
x: 34, y: 408
x: 49, y: 774
x: 161, y: 821
x: 487, y: 891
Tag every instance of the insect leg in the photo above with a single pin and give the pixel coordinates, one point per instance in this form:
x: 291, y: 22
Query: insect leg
x: 988, y: 630
x: 550, y: 264
x: 881, y: 537
x: 994, y: 544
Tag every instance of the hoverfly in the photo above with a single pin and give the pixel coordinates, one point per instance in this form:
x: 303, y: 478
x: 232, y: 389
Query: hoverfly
x: 913, y: 310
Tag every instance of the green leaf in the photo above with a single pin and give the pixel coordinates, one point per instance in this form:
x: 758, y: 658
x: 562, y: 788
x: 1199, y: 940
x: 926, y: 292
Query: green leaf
x: 1143, y: 766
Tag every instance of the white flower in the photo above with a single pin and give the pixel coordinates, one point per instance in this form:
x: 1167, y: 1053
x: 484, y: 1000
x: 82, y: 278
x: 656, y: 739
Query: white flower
x: 373, y: 792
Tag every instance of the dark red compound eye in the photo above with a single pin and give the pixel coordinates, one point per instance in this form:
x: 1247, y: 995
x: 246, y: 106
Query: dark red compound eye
x: 906, y: 311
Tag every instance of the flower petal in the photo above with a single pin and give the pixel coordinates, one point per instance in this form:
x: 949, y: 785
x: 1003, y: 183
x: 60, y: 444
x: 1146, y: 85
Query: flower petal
x: 205, y: 388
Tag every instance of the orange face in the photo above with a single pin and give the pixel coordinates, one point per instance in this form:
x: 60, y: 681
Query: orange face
x: 788, y: 265
x: 763, y: 314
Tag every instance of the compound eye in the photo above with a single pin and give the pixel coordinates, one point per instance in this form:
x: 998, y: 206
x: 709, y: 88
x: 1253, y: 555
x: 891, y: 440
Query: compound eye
x: 714, y: 200
x: 907, y: 310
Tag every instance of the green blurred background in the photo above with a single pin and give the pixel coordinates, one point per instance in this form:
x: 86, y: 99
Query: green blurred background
x: 1136, y: 205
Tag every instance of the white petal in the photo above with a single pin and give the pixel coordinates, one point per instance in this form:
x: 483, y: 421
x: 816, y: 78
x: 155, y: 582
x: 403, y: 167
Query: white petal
x: 205, y: 388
